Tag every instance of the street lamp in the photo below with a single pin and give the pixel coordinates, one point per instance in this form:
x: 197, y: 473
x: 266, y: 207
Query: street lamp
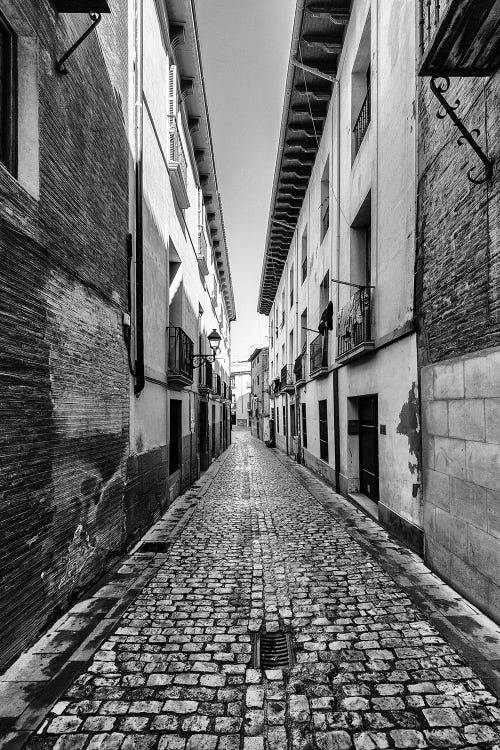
x: 214, y: 339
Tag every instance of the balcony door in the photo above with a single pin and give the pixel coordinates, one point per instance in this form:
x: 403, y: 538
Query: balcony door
x: 368, y: 446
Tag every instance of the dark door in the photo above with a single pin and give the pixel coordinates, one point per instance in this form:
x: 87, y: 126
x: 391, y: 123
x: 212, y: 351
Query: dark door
x: 213, y: 430
x: 368, y: 446
x: 175, y: 435
x: 204, y: 458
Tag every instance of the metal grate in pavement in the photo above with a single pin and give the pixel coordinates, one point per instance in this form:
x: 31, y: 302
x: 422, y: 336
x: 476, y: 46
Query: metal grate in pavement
x: 153, y: 547
x: 272, y: 650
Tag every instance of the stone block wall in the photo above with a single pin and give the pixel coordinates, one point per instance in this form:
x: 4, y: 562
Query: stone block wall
x: 461, y: 459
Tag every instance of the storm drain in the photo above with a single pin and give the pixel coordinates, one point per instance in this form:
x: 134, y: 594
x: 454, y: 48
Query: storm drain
x: 272, y: 650
x: 153, y: 547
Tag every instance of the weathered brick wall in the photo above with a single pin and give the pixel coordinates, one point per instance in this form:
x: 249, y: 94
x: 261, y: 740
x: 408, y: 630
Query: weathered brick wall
x: 458, y: 253
x: 458, y: 315
x: 64, y: 393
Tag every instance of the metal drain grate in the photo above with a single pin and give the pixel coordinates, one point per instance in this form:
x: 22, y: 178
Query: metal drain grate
x: 272, y: 650
x: 154, y: 547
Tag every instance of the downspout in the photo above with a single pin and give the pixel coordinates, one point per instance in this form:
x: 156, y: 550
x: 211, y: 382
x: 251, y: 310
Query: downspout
x: 336, y: 416
x: 139, y: 250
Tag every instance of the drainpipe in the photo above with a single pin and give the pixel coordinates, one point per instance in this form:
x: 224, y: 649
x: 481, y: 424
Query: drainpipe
x: 336, y: 416
x: 139, y: 256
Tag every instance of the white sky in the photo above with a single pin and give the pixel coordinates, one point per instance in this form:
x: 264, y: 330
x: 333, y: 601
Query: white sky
x: 245, y: 46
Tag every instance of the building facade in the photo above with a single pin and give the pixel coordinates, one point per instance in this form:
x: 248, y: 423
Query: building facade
x: 338, y: 273
x: 458, y: 296
x: 259, y: 364
x: 99, y: 264
x: 241, y: 388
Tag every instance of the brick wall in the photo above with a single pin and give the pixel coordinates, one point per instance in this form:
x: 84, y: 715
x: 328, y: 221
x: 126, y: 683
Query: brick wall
x: 458, y: 316
x: 458, y: 253
x: 64, y: 427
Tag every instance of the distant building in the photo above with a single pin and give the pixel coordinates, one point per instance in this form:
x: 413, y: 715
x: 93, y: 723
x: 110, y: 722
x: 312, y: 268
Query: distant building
x: 259, y: 405
x: 241, y: 386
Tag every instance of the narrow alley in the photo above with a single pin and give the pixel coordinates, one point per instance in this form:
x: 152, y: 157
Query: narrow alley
x: 270, y: 548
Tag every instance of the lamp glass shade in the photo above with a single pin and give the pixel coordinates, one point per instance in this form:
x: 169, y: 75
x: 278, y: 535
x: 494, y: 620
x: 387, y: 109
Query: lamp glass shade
x: 214, y: 340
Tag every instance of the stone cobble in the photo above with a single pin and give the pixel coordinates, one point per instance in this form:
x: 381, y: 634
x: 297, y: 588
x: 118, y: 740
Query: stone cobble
x: 260, y: 553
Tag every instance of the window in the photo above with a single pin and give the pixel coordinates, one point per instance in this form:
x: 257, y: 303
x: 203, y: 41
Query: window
x: 360, y: 246
x: 324, y: 292
x: 304, y: 255
x: 304, y: 425
x: 360, y: 90
x: 277, y: 419
x: 8, y: 96
x: 258, y: 380
x: 303, y: 330
x: 325, y: 201
x: 291, y: 286
x: 323, y: 430
x: 290, y: 353
x: 293, y: 430
x: 282, y: 308
x: 284, y: 420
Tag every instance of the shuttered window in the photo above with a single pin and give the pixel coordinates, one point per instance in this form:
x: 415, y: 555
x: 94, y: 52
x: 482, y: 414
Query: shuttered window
x: 304, y: 425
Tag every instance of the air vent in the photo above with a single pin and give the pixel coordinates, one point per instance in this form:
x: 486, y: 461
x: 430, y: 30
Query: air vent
x: 162, y: 547
x: 272, y: 650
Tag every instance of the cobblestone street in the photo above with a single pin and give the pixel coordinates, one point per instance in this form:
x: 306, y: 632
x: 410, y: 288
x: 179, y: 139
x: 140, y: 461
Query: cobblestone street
x: 370, y: 670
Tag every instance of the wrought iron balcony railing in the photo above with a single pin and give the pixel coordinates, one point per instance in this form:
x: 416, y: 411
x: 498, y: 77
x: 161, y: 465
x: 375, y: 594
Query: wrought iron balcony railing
x: 177, y: 164
x: 361, y: 125
x: 286, y: 379
x: 180, y: 357
x: 299, y: 369
x: 458, y: 37
x: 354, y: 337
x: 318, y: 356
x: 202, y: 252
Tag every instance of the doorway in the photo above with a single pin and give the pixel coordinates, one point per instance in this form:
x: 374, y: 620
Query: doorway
x: 204, y: 457
x: 368, y: 446
x: 175, y: 447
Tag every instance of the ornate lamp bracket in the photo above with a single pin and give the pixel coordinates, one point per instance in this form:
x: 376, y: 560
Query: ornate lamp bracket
x: 439, y: 85
x: 60, y: 66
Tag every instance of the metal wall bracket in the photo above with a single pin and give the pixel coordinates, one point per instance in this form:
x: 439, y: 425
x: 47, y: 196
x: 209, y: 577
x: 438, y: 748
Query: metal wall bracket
x: 439, y: 85
x: 60, y: 66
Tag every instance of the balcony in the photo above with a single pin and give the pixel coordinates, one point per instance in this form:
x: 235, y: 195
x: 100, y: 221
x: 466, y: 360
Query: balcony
x: 299, y: 369
x: 202, y: 252
x: 275, y: 387
x: 177, y: 164
x: 180, y: 357
x: 318, y: 356
x: 361, y: 124
x: 354, y: 337
x: 286, y: 379
x: 459, y: 37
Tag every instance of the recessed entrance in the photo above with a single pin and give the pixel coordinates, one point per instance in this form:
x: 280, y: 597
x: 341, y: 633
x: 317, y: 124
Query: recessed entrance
x: 368, y: 446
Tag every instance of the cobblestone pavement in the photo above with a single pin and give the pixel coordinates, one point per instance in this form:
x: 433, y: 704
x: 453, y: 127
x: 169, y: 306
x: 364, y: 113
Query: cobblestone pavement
x: 370, y: 671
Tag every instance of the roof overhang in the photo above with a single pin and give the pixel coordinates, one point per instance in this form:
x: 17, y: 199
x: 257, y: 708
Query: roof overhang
x: 185, y: 43
x: 317, y: 39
